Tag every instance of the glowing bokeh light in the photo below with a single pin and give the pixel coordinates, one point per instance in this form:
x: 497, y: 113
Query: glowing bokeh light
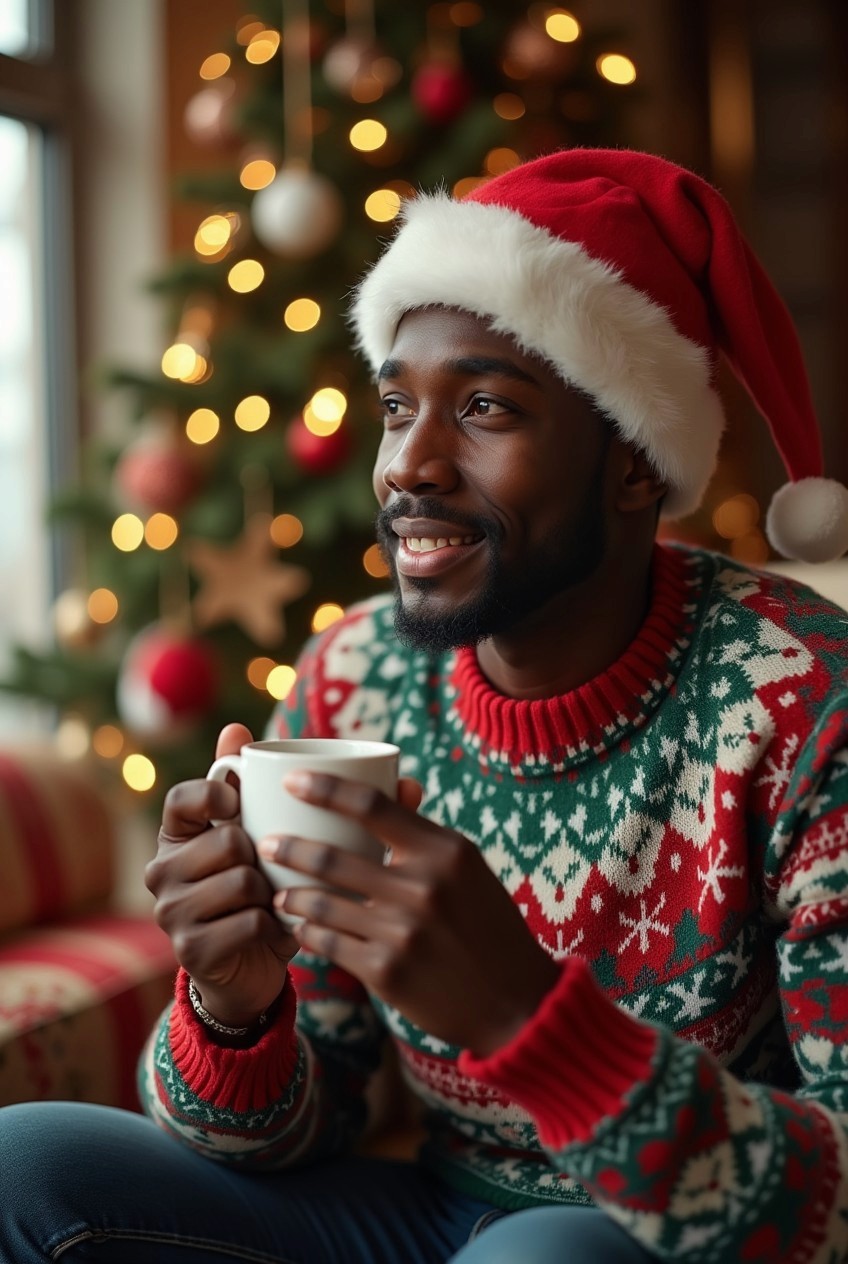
x: 752, y: 549
x: 616, y: 68
x: 329, y: 404
x: 509, y: 105
x: 214, y: 233
x: 102, y: 605
x: 248, y: 27
x: 252, y: 413
x: 139, y: 773
x: 179, y: 361
x: 736, y: 516
x: 280, y: 681
x: 562, y: 26
x: 262, y: 47
x: 499, y: 160
x: 368, y: 135
x: 257, y: 173
x: 258, y: 670
x: 215, y: 65
x: 160, y: 531
x: 107, y: 741
x: 72, y: 737
x: 374, y: 562
x: 127, y: 532
x: 302, y: 314
x: 286, y: 530
x: 246, y: 275
x: 382, y: 205
x: 467, y: 185
x: 202, y: 426
x: 326, y: 614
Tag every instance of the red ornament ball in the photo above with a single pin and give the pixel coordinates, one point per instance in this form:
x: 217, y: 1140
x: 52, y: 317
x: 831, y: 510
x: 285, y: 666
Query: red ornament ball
x: 317, y: 454
x: 158, y: 474
x: 167, y: 683
x: 441, y: 92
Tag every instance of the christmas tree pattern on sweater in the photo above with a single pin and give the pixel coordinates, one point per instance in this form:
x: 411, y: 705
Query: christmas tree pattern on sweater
x: 675, y: 832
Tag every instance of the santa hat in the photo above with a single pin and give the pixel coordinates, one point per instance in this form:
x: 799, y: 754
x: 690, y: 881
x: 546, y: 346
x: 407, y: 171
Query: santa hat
x: 629, y: 275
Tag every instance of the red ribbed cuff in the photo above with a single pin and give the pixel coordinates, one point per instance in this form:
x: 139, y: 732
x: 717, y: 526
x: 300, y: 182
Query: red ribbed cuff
x: 238, y: 1079
x: 574, y: 1063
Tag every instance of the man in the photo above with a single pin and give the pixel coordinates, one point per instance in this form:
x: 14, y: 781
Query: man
x: 610, y: 942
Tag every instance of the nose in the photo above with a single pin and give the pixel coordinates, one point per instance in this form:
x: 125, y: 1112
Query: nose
x: 424, y: 460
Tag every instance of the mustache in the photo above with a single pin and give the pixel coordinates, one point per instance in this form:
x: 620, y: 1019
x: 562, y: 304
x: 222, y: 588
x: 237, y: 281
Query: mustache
x: 432, y: 507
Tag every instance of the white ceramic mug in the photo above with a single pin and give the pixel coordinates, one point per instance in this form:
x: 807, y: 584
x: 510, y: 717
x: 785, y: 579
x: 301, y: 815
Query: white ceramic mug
x: 268, y: 808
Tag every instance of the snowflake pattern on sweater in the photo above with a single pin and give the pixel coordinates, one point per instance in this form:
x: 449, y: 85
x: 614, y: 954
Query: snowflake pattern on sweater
x: 675, y: 832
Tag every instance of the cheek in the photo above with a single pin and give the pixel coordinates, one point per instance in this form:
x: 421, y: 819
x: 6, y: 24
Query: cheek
x: 384, y: 455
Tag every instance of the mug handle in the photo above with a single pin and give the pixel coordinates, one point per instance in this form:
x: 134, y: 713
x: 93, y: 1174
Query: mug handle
x: 218, y: 772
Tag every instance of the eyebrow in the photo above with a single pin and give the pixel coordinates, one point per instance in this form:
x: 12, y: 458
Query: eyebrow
x: 469, y: 366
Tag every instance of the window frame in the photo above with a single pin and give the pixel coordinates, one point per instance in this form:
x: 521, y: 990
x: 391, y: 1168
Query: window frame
x: 38, y: 90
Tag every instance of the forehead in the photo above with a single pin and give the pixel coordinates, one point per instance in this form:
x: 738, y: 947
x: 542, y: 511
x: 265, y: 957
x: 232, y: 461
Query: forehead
x: 437, y: 333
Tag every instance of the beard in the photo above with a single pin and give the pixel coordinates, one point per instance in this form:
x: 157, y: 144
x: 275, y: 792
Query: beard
x: 510, y: 592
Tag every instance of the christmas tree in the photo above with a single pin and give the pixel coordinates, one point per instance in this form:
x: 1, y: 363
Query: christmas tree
x: 235, y: 517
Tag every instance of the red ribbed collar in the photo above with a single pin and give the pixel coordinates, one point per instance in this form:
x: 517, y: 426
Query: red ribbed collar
x: 548, y: 734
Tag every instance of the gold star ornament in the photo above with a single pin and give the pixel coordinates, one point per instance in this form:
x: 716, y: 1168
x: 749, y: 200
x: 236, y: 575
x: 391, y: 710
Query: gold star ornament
x: 245, y: 583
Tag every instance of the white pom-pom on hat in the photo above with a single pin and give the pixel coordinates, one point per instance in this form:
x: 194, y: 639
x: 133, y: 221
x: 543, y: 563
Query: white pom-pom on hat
x: 808, y: 520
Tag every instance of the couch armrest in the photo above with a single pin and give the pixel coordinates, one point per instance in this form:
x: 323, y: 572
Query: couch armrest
x: 57, y: 839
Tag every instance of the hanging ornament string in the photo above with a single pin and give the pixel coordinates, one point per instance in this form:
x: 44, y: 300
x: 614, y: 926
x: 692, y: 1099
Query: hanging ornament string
x: 359, y: 21
x: 441, y: 87
x: 300, y: 212
x: 442, y: 37
x: 297, y: 84
x: 175, y: 608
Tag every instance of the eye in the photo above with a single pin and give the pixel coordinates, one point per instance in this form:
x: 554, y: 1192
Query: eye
x: 484, y: 406
x: 390, y: 407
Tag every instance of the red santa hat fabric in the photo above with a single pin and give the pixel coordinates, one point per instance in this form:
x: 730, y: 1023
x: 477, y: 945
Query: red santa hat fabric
x: 629, y: 274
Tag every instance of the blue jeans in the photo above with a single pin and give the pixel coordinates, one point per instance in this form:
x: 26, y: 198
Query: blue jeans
x: 88, y: 1183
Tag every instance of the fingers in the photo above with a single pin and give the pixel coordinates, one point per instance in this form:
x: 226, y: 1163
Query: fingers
x: 231, y: 739
x: 225, y: 847
x: 366, y: 960
x: 332, y: 865
x: 203, y: 953
x: 392, y: 821
x: 213, y: 897
x: 410, y: 793
x: 334, y: 910
x: 191, y: 805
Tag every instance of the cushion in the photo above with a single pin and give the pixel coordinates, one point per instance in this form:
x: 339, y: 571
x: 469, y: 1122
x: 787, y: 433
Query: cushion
x: 57, y: 843
x: 77, y: 1001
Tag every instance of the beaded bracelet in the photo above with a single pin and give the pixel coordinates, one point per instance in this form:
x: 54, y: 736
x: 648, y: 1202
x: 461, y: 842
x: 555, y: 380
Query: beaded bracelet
x: 231, y: 1033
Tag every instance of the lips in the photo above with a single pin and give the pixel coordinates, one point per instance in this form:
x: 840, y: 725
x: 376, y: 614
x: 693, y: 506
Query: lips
x: 429, y: 547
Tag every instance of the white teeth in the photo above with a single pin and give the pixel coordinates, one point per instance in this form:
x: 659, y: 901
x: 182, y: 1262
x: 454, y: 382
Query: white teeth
x: 426, y: 544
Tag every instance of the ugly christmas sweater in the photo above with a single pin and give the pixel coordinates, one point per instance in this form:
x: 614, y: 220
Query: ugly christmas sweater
x: 675, y: 833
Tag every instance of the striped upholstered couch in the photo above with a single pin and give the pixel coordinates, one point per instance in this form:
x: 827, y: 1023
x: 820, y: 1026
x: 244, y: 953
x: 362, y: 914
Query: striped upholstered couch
x: 81, y: 980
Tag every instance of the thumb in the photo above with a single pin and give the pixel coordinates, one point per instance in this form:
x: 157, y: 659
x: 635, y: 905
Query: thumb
x: 410, y: 793
x: 231, y: 739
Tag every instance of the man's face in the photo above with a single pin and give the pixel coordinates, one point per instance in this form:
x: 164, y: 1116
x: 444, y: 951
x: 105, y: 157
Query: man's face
x: 491, y: 480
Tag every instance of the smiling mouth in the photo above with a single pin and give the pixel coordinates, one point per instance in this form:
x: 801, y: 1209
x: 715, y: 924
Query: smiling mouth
x: 427, y: 544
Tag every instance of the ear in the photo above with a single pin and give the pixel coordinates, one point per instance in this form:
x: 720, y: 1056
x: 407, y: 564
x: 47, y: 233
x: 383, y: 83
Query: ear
x: 638, y: 485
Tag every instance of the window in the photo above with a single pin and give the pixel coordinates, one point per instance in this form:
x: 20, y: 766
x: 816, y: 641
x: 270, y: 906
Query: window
x: 36, y: 379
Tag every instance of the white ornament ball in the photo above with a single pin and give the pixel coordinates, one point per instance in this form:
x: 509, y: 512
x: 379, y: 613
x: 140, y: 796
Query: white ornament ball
x: 208, y: 117
x: 298, y: 214
x: 345, y: 60
x: 808, y: 520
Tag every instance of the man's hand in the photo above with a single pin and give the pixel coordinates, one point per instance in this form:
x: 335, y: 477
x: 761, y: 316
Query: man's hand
x: 214, y: 901
x: 433, y: 933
